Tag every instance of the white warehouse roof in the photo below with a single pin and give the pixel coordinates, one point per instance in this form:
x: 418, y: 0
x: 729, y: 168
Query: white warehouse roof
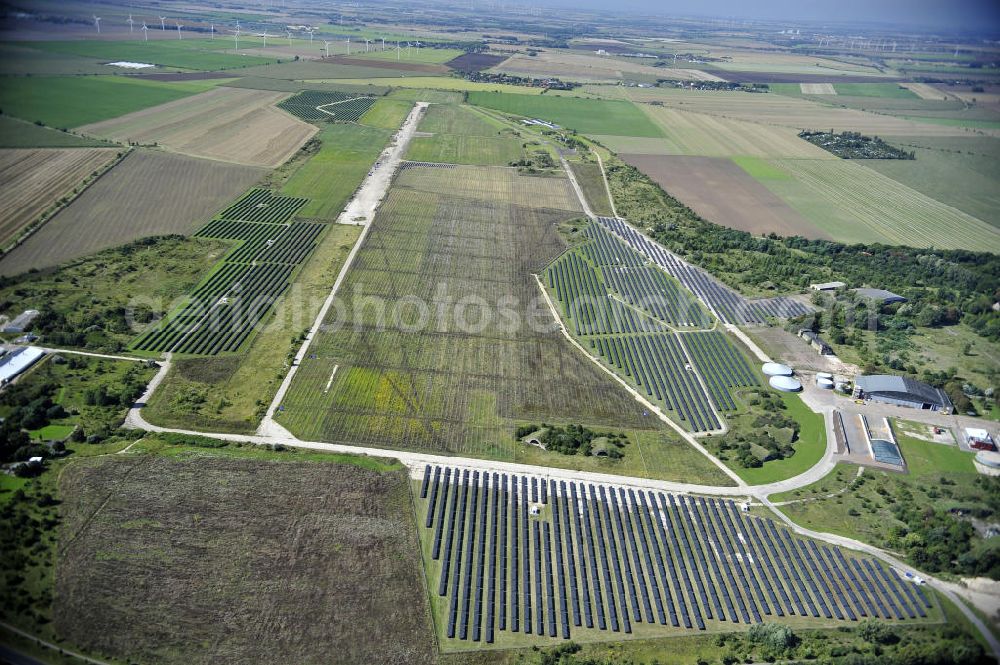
x: 17, y: 361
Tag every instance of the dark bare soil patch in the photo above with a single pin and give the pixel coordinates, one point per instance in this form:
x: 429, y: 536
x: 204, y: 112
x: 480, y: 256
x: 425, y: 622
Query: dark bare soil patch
x: 475, y: 62
x: 723, y: 193
x: 233, y: 560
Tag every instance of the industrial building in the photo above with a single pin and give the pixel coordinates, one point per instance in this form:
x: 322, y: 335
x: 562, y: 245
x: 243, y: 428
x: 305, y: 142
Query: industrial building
x: 816, y: 342
x: 21, y: 323
x: 16, y: 361
x: 901, y: 391
x: 827, y: 286
x: 880, y: 295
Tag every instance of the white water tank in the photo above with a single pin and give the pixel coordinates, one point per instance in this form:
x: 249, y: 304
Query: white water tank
x: 786, y: 384
x: 776, y: 369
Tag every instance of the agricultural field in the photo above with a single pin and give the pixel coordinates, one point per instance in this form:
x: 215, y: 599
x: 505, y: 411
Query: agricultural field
x: 710, y: 136
x: 65, y: 102
x: 588, y: 175
x: 148, y: 194
x: 746, y: 203
x: 33, y: 181
x: 198, y: 54
x: 330, y: 68
x: 961, y: 172
x: 457, y: 383
x: 386, y: 113
x: 596, y: 562
x: 588, y: 116
x: 227, y: 124
x: 16, y: 133
x: 347, y: 150
x: 437, y: 84
x: 462, y: 135
x: 334, y: 541
x: 576, y: 66
x: 853, y: 203
x: 783, y: 111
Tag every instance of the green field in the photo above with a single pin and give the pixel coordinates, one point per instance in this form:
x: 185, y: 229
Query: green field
x: 427, y: 56
x: 761, y: 169
x: 588, y: 175
x: 65, y: 102
x: 16, y: 133
x: 889, y: 90
x: 589, y: 116
x: 330, y: 177
x: 427, y: 95
x: 961, y: 172
x: 192, y: 53
x: 387, y: 114
x: 809, y: 447
x: 462, y: 135
x: 856, y: 204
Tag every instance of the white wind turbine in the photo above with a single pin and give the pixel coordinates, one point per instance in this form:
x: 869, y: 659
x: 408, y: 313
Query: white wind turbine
x: 163, y: 23
x: 367, y: 42
x: 145, y: 32
x: 326, y: 45
x: 97, y: 22
x: 212, y: 29
x: 310, y: 30
x: 348, y: 46
x: 289, y: 33
x: 236, y: 37
x: 383, y: 44
x: 265, y: 36
x: 130, y: 23
x: 179, y: 26
x: 397, y: 49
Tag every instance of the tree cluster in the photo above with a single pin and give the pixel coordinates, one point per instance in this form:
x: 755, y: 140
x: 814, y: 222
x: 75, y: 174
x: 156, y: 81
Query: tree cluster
x: 575, y: 440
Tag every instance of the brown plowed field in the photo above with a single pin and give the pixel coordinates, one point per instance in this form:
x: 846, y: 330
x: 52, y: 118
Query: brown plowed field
x: 206, y: 559
x: 149, y: 193
x: 229, y: 124
x: 723, y: 193
x: 32, y: 180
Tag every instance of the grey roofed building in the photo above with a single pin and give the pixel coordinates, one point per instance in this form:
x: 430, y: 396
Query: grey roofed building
x: 902, y: 391
x: 21, y: 323
x: 827, y: 286
x: 883, y: 296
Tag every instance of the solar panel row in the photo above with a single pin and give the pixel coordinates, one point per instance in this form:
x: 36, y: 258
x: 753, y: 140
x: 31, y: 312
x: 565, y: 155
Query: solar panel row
x: 613, y: 554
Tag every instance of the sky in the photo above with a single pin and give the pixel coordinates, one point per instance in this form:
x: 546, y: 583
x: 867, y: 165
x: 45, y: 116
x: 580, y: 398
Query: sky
x: 981, y: 15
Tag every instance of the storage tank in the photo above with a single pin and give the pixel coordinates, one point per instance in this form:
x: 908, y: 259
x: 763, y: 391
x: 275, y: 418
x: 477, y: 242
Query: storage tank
x: 826, y: 384
x: 824, y: 375
x: 776, y: 369
x: 786, y: 384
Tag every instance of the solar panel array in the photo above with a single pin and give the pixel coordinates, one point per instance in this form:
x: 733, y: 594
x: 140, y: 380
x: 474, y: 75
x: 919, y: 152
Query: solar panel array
x: 729, y: 305
x: 530, y: 555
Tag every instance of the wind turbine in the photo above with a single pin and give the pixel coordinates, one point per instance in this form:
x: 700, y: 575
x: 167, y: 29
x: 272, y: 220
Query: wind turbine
x: 367, y: 42
x: 145, y: 32
x: 383, y: 44
x: 397, y: 50
x: 179, y: 26
x: 326, y: 45
x: 163, y: 24
x: 236, y: 37
x: 97, y: 22
x: 265, y: 36
x: 348, y: 46
x: 130, y: 22
x: 311, y: 30
x: 212, y: 29
x: 289, y: 33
